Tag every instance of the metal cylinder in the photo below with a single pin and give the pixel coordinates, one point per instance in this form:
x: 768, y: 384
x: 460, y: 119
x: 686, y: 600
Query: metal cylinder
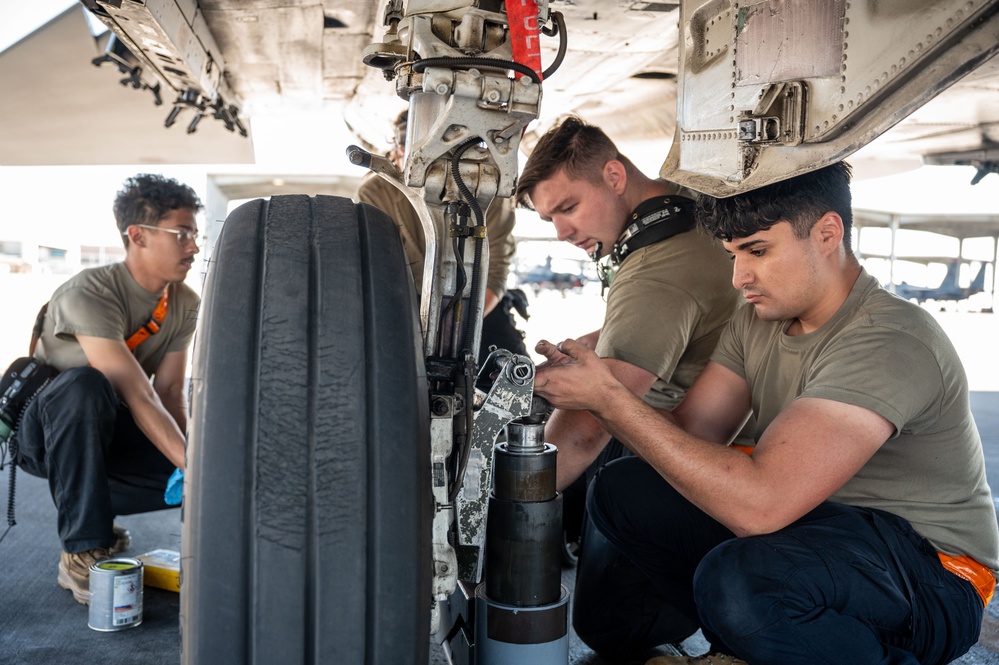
x: 525, y: 438
x: 115, y: 594
x: 524, y: 552
x: 524, y: 477
x: 524, y: 532
x: 525, y: 636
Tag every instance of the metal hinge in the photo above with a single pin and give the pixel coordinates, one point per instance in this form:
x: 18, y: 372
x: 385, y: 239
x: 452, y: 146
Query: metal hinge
x: 779, y: 116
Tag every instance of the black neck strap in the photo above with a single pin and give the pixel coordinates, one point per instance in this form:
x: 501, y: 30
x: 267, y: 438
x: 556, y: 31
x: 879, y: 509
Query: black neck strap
x: 654, y: 220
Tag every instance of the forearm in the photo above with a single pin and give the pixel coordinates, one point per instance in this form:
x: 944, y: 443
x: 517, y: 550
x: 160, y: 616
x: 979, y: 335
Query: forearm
x: 113, y: 359
x: 160, y: 426
x: 722, y: 481
x: 175, y: 404
x: 579, y: 439
x: 809, y: 451
x: 490, y: 302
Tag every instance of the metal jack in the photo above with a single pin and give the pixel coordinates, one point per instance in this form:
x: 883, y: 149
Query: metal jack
x: 511, y: 607
x: 521, y: 610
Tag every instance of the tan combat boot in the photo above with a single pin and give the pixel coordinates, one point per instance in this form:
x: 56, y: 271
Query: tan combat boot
x: 74, y: 571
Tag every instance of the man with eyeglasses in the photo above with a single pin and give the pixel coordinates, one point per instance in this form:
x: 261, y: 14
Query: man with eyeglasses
x: 110, y: 429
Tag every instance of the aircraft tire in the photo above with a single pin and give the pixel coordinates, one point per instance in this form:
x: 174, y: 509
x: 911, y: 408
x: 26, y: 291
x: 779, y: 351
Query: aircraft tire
x: 307, y: 508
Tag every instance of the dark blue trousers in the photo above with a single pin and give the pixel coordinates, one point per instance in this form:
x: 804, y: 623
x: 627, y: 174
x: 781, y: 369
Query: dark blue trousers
x: 615, y: 611
x: 80, y: 436
x: 840, y: 585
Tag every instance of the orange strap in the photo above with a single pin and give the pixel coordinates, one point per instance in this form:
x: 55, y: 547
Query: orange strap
x: 150, y: 327
x: 971, y: 571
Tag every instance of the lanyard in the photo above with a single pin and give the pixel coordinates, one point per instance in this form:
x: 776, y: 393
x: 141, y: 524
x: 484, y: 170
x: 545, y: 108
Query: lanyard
x: 150, y: 327
x: 654, y: 220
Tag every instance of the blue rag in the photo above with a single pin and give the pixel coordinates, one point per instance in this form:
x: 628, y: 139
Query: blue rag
x: 175, y: 488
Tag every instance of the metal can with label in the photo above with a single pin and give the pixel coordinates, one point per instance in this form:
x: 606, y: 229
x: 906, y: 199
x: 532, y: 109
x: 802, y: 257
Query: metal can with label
x: 115, y: 594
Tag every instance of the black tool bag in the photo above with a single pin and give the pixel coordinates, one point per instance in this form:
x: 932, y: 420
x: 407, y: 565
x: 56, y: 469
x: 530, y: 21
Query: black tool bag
x: 23, y: 380
x: 20, y: 383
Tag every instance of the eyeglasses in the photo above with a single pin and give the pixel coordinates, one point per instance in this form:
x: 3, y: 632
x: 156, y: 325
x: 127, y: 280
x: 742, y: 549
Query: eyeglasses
x: 183, y: 235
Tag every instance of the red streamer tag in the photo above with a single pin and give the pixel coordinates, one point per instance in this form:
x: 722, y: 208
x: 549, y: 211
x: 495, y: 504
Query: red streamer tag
x: 524, y: 32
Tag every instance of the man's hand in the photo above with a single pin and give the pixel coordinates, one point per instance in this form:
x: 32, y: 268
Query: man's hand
x: 174, y: 489
x: 574, y: 377
x: 553, y: 356
x: 580, y: 437
x: 113, y: 359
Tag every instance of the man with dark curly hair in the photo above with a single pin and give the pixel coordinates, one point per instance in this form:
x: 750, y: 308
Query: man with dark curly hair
x: 110, y: 429
x: 861, y: 529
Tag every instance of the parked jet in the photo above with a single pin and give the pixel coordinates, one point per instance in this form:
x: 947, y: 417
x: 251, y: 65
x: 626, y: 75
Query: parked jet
x: 948, y: 289
x: 545, y: 277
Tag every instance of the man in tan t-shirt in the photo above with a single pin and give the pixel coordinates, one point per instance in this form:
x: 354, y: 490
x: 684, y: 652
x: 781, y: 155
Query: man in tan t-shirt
x: 669, y: 299
x: 861, y: 529
x: 110, y: 429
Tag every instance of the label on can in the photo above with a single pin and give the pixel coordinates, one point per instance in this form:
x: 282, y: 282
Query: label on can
x: 127, y: 600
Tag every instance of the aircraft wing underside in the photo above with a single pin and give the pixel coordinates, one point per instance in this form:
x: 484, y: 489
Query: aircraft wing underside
x: 766, y: 88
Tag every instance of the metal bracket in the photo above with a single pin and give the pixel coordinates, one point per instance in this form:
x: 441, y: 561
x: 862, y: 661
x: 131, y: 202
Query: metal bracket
x: 779, y: 116
x: 509, y: 398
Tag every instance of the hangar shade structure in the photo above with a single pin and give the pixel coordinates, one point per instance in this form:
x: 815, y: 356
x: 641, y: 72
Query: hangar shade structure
x: 955, y: 225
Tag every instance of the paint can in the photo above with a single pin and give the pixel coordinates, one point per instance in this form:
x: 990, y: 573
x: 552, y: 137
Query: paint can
x: 115, y: 594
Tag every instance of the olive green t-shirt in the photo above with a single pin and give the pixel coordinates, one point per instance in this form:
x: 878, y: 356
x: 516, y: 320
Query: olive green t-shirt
x: 107, y: 302
x: 887, y: 355
x: 666, y: 308
x: 499, y: 230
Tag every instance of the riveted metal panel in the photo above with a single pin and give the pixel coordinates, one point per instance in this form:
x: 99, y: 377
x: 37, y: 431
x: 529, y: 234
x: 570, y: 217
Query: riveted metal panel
x: 863, y: 66
x: 786, y: 40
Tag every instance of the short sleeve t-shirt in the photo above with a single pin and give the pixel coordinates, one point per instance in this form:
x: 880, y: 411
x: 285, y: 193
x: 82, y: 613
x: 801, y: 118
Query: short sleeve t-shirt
x: 887, y: 355
x: 107, y: 302
x: 666, y: 309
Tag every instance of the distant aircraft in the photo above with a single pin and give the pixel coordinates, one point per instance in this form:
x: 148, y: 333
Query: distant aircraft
x: 544, y: 277
x: 949, y: 289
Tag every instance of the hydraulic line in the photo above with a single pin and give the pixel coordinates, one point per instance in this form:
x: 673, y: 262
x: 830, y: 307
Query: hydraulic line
x: 563, y: 43
x: 473, y: 204
x: 476, y: 63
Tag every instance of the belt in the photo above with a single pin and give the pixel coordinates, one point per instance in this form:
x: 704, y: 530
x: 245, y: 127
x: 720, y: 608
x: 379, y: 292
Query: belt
x: 971, y: 571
